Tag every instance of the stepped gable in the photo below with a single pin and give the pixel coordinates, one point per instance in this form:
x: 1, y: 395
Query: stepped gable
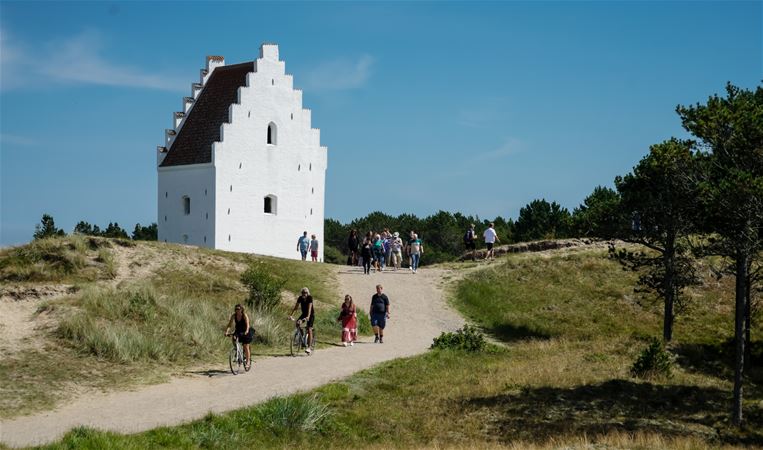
x: 193, y: 144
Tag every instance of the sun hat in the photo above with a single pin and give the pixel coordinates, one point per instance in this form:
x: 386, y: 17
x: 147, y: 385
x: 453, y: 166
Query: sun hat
x: 396, y: 234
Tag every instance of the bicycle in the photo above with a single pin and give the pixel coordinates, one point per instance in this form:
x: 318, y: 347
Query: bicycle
x: 299, y: 339
x: 236, y: 357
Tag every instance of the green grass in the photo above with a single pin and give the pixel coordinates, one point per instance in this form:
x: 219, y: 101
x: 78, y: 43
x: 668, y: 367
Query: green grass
x: 69, y: 259
x: 572, y: 328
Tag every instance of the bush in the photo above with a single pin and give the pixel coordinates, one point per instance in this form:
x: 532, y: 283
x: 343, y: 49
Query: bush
x: 284, y: 415
x: 467, y: 338
x: 333, y: 256
x: 653, y: 361
x: 264, y: 288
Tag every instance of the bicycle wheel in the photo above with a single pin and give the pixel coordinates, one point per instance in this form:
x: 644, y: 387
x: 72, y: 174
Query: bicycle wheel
x: 312, y: 343
x: 235, y: 364
x: 296, y: 343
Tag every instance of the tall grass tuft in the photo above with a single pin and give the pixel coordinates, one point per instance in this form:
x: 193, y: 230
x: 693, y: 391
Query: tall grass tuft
x: 270, y: 327
x: 136, y: 324
x: 285, y: 415
x: 49, y: 259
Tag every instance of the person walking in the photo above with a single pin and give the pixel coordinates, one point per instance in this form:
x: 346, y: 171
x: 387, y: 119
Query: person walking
x: 491, y: 237
x: 303, y: 243
x: 314, y: 248
x: 352, y: 245
x: 349, y: 319
x: 366, y: 250
x: 396, y: 250
x: 415, y: 250
x: 378, y: 253
x: 379, y: 313
x: 470, y: 243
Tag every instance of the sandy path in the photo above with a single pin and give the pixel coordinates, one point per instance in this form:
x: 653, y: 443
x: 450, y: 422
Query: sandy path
x: 419, y: 313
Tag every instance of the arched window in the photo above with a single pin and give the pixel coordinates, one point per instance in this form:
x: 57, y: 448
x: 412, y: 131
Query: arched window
x: 186, y: 205
x: 270, y: 204
x: 272, y: 134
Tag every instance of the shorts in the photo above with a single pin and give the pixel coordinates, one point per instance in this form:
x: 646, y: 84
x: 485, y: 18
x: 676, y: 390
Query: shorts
x: 314, y: 253
x: 471, y: 246
x: 379, y: 320
x: 246, y: 338
x: 489, y: 245
x: 304, y: 253
x: 309, y: 321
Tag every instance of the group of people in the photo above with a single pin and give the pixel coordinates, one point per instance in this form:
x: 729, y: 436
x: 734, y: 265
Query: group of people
x: 305, y: 244
x: 490, y: 237
x: 239, y: 325
x: 382, y: 250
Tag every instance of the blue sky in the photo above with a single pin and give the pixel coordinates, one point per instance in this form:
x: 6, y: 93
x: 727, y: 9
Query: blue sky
x: 477, y: 107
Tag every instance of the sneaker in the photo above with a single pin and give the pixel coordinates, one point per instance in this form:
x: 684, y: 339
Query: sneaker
x: 307, y: 350
x: 376, y: 339
x: 410, y: 268
x: 352, y: 343
x: 381, y: 340
x: 344, y: 344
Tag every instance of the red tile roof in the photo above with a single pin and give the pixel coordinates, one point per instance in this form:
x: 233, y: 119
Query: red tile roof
x: 193, y: 143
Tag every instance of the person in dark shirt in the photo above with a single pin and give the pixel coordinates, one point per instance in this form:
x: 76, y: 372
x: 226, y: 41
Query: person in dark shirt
x: 242, y: 330
x: 352, y: 244
x: 379, y: 313
x: 366, y: 252
x: 305, y: 302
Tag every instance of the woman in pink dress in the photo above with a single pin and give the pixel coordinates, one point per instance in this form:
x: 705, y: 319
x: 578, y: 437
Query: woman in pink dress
x: 349, y: 320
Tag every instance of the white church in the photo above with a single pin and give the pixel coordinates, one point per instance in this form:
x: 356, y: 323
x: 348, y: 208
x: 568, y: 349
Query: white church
x: 242, y: 169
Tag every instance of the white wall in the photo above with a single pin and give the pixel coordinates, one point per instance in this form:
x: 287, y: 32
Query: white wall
x: 294, y: 169
x: 197, y: 182
x: 245, y: 169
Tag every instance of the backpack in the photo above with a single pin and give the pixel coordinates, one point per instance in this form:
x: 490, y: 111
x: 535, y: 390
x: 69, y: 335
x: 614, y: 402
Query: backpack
x: 468, y: 237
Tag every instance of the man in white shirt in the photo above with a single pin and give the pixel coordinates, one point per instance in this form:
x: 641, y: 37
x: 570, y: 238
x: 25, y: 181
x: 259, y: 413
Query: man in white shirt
x: 490, y: 239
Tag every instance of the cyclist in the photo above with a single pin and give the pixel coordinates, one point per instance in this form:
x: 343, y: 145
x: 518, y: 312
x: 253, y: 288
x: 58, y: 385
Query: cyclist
x: 305, y: 302
x: 239, y: 321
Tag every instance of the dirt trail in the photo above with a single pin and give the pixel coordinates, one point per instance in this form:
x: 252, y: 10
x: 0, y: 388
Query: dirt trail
x: 418, y: 314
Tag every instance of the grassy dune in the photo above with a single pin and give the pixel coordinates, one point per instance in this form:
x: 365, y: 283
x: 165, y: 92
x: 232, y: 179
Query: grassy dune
x: 136, y: 317
x: 572, y: 328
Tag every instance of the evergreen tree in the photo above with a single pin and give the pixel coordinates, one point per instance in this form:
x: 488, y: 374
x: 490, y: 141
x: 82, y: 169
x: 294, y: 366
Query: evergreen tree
x: 600, y: 215
x: 731, y: 128
x: 660, y: 194
x: 47, y: 228
x: 542, y: 220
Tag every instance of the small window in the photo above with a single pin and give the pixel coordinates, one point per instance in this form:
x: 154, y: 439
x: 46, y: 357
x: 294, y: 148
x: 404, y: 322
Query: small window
x: 270, y: 204
x: 312, y: 190
x: 165, y: 218
x: 272, y: 134
x: 166, y: 194
x: 229, y: 211
x: 249, y: 114
x: 229, y: 238
x: 311, y: 211
x: 292, y: 116
x: 205, y: 192
x: 186, y: 205
x: 206, y: 216
x: 240, y: 164
x: 311, y: 166
x: 272, y: 82
x: 231, y: 188
x: 299, y: 167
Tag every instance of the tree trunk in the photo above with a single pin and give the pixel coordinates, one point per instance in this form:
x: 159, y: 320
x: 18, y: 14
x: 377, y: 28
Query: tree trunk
x: 742, y: 265
x: 747, y: 320
x: 670, y: 291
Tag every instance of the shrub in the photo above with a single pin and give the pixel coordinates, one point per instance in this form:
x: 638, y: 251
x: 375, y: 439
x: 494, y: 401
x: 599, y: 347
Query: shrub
x: 653, y: 361
x: 269, y: 327
x: 264, y: 288
x: 284, y: 415
x: 333, y: 256
x: 468, y: 338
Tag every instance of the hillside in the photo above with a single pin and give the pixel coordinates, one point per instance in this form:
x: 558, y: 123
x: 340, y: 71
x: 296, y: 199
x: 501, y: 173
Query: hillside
x: 567, y: 327
x: 83, y: 314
